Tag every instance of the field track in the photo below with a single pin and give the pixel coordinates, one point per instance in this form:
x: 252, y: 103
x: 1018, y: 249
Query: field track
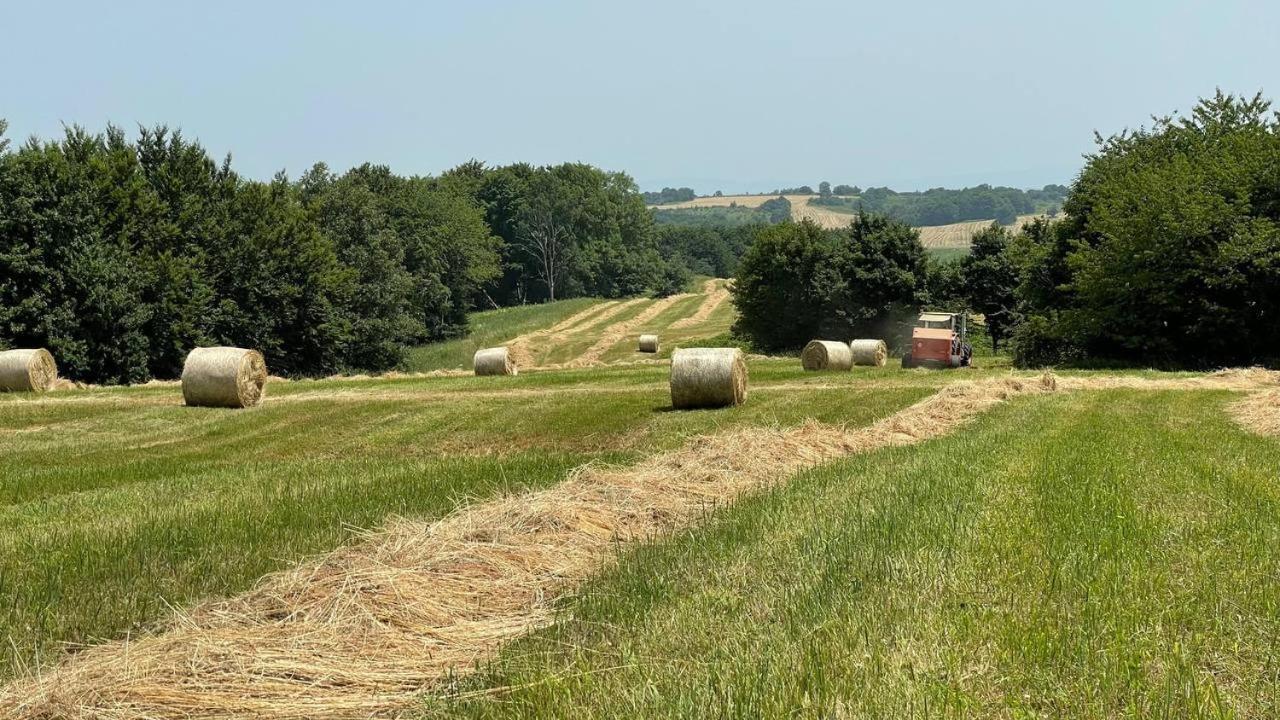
x: 364, y: 630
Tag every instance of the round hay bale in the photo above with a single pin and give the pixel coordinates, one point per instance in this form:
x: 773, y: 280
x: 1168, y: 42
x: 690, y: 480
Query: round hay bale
x: 869, y: 352
x: 708, y: 377
x: 826, y: 355
x: 648, y: 343
x: 224, y: 377
x: 494, y: 361
x: 27, y: 371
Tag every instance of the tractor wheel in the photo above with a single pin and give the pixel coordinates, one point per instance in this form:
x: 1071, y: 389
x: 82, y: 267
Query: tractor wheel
x: 907, y: 362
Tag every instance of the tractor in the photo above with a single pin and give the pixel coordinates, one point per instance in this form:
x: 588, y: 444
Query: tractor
x: 939, y: 340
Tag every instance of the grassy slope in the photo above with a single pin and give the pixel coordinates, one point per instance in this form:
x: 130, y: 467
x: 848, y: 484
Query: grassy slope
x: 490, y: 328
x: 117, y: 501
x: 1110, y: 554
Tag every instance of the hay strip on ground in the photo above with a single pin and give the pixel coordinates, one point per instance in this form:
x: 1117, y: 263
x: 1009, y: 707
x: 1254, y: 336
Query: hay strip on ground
x: 716, y: 294
x: 27, y: 371
x: 826, y: 355
x: 521, y: 347
x: 1259, y: 413
x: 618, y: 331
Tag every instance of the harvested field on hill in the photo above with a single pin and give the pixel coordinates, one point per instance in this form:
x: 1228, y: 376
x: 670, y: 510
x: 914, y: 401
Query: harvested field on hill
x: 955, y: 235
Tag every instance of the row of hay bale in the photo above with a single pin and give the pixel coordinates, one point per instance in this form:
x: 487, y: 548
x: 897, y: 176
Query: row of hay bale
x: 236, y: 378
x: 700, y: 377
x: 835, y: 355
x: 211, y: 376
x: 499, y: 360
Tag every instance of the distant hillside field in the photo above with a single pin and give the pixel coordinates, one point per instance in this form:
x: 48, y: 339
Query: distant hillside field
x: 955, y: 235
x: 587, y: 332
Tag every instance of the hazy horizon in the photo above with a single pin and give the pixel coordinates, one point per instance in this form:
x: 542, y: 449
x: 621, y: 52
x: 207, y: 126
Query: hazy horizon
x: 738, y: 97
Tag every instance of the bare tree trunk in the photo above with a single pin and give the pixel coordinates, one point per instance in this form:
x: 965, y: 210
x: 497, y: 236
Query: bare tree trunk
x: 546, y: 242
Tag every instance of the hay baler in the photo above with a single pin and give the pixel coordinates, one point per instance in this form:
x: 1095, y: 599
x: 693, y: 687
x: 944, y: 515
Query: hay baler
x: 939, y: 340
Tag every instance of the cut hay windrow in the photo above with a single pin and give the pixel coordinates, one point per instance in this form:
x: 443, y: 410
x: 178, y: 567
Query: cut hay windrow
x: 365, y: 630
x: 618, y: 331
x: 522, y: 347
x: 716, y: 294
x: 826, y: 355
x: 27, y: 371
x: 1259, y: 413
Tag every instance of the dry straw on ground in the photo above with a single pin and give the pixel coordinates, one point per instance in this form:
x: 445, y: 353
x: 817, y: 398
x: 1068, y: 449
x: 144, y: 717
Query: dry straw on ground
x: 716, y: 294
x: 494, y: 361
x: 620, y: 330
x: 708, y: 378
x: 648, y: 343
x: 871, y: 353
x: 522, y: 350
x: 363, y: 631
x: 1259, y: 413
x: 224, y: 377
x: 27, y: 370
x: 826, y: 355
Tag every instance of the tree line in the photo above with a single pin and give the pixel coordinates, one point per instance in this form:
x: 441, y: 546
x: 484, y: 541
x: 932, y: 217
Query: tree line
x: 941, y: 206
x: 120, y: 255
x: 1168, y: 256
x: 669, y: 195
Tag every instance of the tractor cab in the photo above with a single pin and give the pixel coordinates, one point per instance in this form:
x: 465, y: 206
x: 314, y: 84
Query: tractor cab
x: 939, y: 339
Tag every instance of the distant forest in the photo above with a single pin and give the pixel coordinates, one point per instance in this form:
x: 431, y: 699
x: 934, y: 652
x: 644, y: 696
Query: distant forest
x: 941, y: 206
x: 669, y: 195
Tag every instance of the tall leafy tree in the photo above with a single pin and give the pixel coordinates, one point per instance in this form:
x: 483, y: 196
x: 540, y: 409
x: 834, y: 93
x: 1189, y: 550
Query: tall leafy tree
x: 990, y: 280
x: 1170, y: 253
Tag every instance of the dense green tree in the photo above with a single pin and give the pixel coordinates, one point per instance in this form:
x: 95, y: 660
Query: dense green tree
x: 776, y: 210
x: 882, y: 274
x: 798, y: 282
x: 1170, y: 252
x: 824, y: 189
x: 990, y: 279
x: 782, y: 290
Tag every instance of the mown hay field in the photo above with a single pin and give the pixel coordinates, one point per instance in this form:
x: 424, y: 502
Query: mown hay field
x: 874, y: 542
x: 120, y: 502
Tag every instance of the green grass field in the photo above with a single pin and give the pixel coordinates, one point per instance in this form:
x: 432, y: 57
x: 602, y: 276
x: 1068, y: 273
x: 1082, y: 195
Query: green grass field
x: 1101, y: 554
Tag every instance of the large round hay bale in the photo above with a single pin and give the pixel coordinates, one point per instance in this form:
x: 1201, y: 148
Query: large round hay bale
x: 224, y: 377
x: 27, y: 370
x: 708, y: 377
x: 494, y: 361
x: 869, y: 352
x: 648, y: 343
x: 826, y: 355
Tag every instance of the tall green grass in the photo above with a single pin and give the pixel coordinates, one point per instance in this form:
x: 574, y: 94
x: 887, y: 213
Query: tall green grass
x: 1109, y: 554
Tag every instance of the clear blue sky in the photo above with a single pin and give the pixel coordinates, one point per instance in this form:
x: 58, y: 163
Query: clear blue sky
x: 740, y: 95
